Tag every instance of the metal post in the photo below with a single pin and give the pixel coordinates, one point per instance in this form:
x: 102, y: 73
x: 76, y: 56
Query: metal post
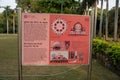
x: 90, y: 50
x: 19, y: 45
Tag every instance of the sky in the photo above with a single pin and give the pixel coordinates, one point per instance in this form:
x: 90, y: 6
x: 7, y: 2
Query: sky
x: 111, y: 4
x: 12, y: 4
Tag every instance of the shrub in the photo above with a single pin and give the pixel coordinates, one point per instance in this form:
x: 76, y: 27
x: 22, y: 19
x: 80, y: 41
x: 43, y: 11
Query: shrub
x: 114, y: 52
x: 1, y: 30
x: 111, y: 50
x: 99, y: 46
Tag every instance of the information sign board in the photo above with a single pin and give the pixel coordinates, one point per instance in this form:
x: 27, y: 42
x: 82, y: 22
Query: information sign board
x: 55, y: 39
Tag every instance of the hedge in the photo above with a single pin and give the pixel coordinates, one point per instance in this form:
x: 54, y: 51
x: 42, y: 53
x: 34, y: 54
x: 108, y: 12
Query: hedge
x: 110, y: 52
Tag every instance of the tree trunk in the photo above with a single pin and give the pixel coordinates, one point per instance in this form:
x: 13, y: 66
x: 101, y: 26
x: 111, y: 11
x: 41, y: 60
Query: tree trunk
x: 13, y: 24
x: 116, y: 21
x: 62, y: 6
x: 95, y: 24
x: 7, y: 26
x: 106, y: 30
x: 87, y: 10
x: 101, y: 19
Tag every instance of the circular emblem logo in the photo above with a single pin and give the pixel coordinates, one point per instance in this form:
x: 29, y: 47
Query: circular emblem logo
x: 59, y: 26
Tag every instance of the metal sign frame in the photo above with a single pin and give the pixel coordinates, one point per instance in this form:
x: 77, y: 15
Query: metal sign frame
x: 20, y: 45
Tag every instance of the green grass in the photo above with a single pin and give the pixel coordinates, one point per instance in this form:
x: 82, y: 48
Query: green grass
x: 9, y: 67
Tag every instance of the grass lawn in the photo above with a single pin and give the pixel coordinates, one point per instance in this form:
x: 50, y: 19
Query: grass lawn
x: 9, y: 70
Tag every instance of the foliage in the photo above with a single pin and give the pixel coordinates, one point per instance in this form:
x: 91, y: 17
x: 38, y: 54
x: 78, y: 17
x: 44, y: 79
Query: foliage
x: 1, y: 30
x: 111, y: 21
x: 114, y: 52
x: 98, y: 21
x: 2, y: 19
x: 100, y: 46
x: 84, y: 4
x: 39, y: 6
x: 7, y: 14
x: 110, y: 50
x: 49, y: 6
x: 111, y: 14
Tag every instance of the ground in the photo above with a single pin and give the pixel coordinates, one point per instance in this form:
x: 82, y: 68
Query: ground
x: 9, y: 66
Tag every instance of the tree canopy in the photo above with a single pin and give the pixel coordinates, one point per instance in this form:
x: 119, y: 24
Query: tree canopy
x: 49, y: 6
x: 56, y: 6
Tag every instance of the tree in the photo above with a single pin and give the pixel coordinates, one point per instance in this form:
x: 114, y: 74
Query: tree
x: 106, y: 27
x: 111, y: 22
x: 84, y: 4
x: 13, y: 15
x: 116, y: 21
x: 2, y: 25
x: 95, y: 23
x: 7, y: 12
x: 101, y: 19
x: 49, y: 6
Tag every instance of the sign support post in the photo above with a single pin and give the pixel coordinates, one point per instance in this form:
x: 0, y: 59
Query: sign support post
x: 19, y: 44
x: 90, y: 51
